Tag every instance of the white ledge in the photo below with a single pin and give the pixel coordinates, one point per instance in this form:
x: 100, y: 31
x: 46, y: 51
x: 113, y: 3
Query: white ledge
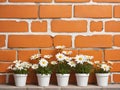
x: 55, y: 87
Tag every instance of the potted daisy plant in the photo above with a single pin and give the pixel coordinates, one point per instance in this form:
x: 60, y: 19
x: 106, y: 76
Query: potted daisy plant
x: 42, y: 68
x: 83, y: 69
x: 20, y: 70
x: 102, y: 70
x: 63, y: 65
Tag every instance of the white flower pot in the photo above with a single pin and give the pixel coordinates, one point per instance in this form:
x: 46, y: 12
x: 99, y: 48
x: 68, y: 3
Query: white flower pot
x: 102, y: 79
x: 63, y: 79
x: 20, y: 79
x: 82, y: 79
x: 43, y: 80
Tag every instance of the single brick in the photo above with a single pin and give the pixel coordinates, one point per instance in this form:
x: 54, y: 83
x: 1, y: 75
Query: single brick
x: 32, y: 79
x: 63, y: 40
x: 2, y: 0
x: 93, y: 11
x: 2, y: 40
x: 62, y: 1
x: 112, y: 54
x: 117, y: 11
x: 93, y: 41
x: 30, y: 0
x: 115, y: 67
x: 96, y: 26
x: 13, y: 26
x: 92, y: 79
x: 29, y: 41
x: 55, y: 11
x: 18, y: 11
x: 4, y: 66
x: 112, y: 26
x: 2, y: 79
x: 69, y: 26
x: 106, y: 1
x: 7, y: 55
x: 97, y: 54
x: 116, y: 40
x: 37, y: 26
x: 25, y: 55
x: 116, y: 78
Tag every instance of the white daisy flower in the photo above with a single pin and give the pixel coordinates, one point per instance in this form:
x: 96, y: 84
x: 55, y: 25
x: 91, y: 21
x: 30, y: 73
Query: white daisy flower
x: 53, y: 62
x: 26, y: 64
x: 97, y: 62
x: 80, y: 59
x: 89, y: 57
x: 105, y: 67
x: 35, y: 56
x: 110, y: 62
x: 14, y: 68
x: 10, y: 67
x: 17, y: 61
x: 19, y: 67
x: 72, y: 63
x: 67, y: 52
x: 60, y: 47
x: 35, y: 66
x: 43, y: 62
x: 67, y: 58
x: 60, y: 56
x: 90, y: 62
x: 47, y: 56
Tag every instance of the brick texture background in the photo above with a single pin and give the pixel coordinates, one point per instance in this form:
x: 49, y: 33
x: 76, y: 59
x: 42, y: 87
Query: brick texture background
x: 90, y: 27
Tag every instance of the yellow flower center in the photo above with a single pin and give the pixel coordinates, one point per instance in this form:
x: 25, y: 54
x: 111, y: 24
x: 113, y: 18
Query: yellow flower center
x: 43, y: 62
x: 80, y: 59
x: 60, y: 56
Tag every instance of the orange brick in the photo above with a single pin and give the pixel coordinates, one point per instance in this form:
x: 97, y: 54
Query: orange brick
x: 11, y: 80
x: 4, y: 66
x: 18, y: 11
x: 7, y: 55
x: 63, y: 40
x: 25, y: 55
x: 69, y: 26
x: 2, y: 0
x: 98, y: 54
x: 115, y: 67
x: 92, y: 79
x: 112, y: 26
x: 55, y: 11
x: 106, y: 0
x: 93, y: 11
x: 93, y: 41
x: 116, y: 78
x: 32, y: 78
x: 112, y: 54
x: 117, y: 40
x: 2, y: 79
x: 30, y: 0
x: 2, y: 40
x: 117, y: 11
x: 13, y: 26
x: 72, y: 1
x: 96, y: 26
x: 39, y: 26
x: 29, y: 41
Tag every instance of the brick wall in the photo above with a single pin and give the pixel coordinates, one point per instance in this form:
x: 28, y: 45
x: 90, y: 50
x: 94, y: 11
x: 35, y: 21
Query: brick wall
x: 28, y: 27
